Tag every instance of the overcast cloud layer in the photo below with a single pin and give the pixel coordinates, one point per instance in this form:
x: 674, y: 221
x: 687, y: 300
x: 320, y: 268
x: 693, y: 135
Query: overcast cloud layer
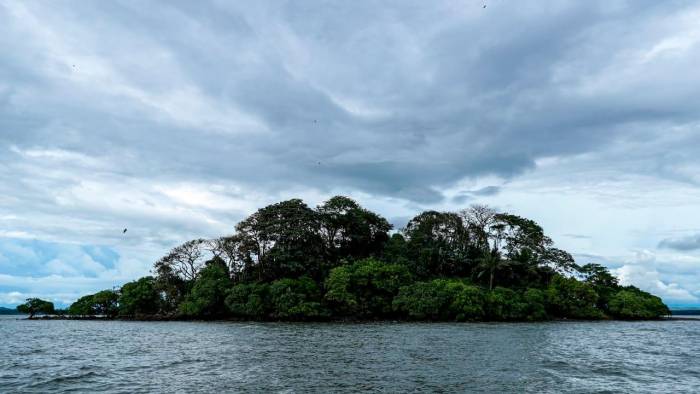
x: 177, y: 119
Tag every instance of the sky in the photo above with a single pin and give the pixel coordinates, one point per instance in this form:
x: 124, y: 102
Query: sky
x: 177, y: 119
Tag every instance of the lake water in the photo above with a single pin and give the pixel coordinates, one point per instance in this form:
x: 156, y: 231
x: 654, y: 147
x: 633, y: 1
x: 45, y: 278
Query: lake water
x: 128, y: 357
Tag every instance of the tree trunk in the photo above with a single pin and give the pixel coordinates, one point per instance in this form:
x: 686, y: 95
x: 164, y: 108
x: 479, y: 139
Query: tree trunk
x: 491, y: 281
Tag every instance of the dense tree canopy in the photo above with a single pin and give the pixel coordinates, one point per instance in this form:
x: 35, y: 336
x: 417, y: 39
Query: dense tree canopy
x: 365, y: 288
x: 139, y: 297
x: 103, y: 303
x: 288, y: 261
x: 208, y: 292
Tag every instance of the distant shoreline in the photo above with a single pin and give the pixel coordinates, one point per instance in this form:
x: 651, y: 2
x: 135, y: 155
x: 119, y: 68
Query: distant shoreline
x: 347, y: 320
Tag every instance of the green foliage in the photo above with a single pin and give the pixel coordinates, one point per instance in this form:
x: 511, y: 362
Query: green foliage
x: 139, y: 298
x: 488, y: 265
x: 395, y: 250
x: 209, y: 292
x: 366, y: 288
x: 535, y: 301
x: 438, y: 244
x: 505, y: 304
x: 603, y: 282
x: 296, y: 299
x: 568, y: 297
x: 283, y: 239
x: 288, y: 261
x: 632, y: 303
x: 171, y: 288
x: 350, y: 231
x: 84, y: 306
x: 467, y: 301
x: 103, y: 303
x: 249, y: 300
x: 440, y: 299
x: 34, y: 306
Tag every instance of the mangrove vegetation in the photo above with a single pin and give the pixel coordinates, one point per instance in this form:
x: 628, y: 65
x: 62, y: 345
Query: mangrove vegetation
x: 288, y: 261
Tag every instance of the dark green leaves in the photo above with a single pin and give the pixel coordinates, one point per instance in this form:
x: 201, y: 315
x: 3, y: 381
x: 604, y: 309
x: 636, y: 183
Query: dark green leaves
x: 35, y: 306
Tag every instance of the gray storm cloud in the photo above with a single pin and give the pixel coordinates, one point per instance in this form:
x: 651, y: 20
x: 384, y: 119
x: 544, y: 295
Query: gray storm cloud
x: 177, y: 119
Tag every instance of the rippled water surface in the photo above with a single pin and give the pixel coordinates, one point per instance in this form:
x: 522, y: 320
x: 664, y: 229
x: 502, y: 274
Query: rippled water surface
x: 127, y: 357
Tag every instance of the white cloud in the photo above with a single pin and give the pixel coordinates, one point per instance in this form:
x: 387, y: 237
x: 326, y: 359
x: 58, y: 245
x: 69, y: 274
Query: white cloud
x: 180, y: 125
x: 649, y: 279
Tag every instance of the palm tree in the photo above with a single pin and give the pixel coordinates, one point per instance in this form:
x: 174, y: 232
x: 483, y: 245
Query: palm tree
x: 490, y: 263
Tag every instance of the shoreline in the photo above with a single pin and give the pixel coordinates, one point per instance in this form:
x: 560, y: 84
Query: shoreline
x: 333, y: 321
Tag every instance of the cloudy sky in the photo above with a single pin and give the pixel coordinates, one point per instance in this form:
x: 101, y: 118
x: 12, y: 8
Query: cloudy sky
x: 177, y: 119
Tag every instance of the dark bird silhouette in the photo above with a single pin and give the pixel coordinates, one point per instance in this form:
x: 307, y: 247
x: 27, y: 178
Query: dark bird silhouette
x: 484, y: 6
x: 124, y: 232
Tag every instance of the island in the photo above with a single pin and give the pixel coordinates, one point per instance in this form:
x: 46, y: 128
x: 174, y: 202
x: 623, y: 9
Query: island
x: 340, y: 261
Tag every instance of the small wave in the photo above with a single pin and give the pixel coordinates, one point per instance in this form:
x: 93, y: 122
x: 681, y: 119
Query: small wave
x: 31, y: 352
x: 67, y: 379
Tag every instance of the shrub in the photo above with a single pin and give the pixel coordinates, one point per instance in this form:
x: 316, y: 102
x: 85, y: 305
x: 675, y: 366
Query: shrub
x: 139, y: 298
x: 440, y: 299
x: 365, y: 288
x: 535, y: 301
x: 633, y: 303
x: 209, y: 292
x: 296, y: 299
x: 84, y: 306
x: 249, y: 300
x: 505, y: 304
x: 100, y: 303
x: 568, y: 297
x: 467, y: 301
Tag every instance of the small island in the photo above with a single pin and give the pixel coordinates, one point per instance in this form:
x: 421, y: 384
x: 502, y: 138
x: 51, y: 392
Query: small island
x: 340, y: 261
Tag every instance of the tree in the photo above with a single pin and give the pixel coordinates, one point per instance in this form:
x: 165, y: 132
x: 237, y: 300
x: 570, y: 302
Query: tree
x: 437, y: 244
x: 84, y: 306
x: 101, y: 303
x: 170, y: 287
x: 34, y: 306
x: 209, y: 291
x: 105, y: 303
x: 632, y: 303
x: 395, y: 250
x: 281, y: 240
x: 604, y: 283
x: 479, y: 219
x: 568, y: 297
x: 489, y: 264
x: 531, y: 256
x: 598, y: 275
x: 249, y: 300
x: 139, y: 298
x: 227, y: 249
x: 185, y: 260
x: 350, y: 231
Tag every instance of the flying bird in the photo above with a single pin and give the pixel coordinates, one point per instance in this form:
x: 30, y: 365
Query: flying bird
x: 124, y: 232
